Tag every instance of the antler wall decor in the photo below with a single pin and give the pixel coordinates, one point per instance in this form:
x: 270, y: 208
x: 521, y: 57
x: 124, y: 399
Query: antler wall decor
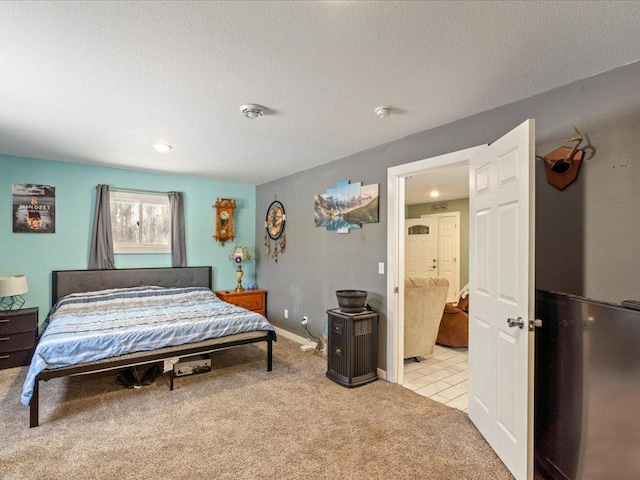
x: 562, y: 165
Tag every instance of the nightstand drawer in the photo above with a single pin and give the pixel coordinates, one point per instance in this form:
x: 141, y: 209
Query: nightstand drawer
x: 15, y: 359
x: 17, y: 321
x: 17, y: 341
x: 250, y: 301
x: 18, y: 336
x: 254, y: 300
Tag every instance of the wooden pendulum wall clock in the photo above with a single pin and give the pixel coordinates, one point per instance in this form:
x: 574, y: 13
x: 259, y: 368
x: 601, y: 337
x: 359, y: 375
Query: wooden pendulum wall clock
x: 224, y: 219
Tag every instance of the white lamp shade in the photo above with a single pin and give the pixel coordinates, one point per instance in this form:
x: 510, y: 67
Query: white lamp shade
x: 13, y: 285
x: 240, y: 252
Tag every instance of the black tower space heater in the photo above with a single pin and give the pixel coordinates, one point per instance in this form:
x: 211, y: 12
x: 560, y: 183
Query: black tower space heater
x: 353, y: 347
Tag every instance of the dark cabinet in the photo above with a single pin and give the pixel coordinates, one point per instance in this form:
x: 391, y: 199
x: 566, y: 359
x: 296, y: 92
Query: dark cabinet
x: 18, y: 336
x: 353, y: 347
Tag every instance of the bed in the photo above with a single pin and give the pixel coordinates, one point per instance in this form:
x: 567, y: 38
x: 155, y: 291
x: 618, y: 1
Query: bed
x: 115, y: 319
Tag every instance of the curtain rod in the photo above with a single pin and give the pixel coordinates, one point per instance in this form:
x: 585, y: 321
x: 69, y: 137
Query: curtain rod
x: 136, y: 190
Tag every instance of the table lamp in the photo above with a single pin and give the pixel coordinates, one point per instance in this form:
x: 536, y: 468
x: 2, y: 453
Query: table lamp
x: 12, y: 288
x: 238, y: 254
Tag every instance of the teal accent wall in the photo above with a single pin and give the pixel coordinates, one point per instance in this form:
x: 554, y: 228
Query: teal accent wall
x: 37, y: 254
x: 460, y: 205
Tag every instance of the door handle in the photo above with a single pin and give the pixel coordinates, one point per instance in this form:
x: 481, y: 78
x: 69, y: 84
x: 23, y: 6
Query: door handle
x: 512, y: 322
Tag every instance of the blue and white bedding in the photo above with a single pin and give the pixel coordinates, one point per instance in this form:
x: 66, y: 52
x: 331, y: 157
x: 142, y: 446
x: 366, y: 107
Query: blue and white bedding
x: 85, y: 327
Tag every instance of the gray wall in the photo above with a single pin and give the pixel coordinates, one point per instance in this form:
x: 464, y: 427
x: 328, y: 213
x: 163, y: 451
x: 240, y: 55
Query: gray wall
x: 460, y: 205
x: 586, y: 235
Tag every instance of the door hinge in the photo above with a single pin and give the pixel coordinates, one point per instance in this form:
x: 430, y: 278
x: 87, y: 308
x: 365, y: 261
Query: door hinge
x: 534, y: 323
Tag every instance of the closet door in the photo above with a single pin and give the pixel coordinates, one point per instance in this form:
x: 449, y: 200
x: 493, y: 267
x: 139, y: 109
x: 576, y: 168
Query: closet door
x: 449, y: 252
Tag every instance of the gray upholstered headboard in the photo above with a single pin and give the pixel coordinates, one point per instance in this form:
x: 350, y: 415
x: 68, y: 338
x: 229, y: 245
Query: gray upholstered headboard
x: 65, y: 282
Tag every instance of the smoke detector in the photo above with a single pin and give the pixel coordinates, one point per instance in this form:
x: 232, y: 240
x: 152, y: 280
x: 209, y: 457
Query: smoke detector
x: 252, y: 111
x: 383, y: 112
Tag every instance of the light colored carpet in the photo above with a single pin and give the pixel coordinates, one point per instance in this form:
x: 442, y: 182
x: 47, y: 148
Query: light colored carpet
x: 238, y: 422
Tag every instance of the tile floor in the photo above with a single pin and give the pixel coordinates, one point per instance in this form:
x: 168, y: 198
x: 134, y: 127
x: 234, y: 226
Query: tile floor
x: 442, y: 376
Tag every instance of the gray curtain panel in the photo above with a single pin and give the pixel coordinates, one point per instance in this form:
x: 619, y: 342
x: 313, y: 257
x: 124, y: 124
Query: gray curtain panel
x: 178, y: 244
x: 101, y: 250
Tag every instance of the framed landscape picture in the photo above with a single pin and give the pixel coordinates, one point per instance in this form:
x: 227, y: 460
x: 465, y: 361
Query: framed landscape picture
x: 347, y: 205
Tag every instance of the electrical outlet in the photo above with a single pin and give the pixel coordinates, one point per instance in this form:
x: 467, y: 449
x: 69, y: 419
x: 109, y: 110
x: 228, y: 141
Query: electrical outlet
x: 305, y: 321
x: 286, y: 313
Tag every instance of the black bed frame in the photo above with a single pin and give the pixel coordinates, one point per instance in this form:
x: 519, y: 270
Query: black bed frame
x: 65, y: 282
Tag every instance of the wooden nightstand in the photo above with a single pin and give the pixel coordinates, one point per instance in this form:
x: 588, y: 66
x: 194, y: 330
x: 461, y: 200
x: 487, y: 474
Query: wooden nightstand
x: 255, y: 300
x: 18, y: 336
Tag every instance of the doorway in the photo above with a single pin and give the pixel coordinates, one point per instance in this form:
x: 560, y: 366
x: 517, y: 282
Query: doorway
x: 397, y: 178
x: 435, y: 203
x: 501, y: 278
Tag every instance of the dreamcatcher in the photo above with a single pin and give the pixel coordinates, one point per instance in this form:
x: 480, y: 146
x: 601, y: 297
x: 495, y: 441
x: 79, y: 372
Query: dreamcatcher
x: 274, y: 226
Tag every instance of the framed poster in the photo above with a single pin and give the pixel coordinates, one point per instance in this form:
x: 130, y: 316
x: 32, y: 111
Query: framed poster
x: 34, y: 208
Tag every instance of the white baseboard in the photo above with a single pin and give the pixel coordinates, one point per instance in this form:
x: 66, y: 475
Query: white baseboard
x: 382, y: 374
x: 305, y: 344
x: 291, y: 336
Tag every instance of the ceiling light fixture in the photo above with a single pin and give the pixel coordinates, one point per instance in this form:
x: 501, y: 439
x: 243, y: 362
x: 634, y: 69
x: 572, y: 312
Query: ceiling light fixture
x: 435, y: 194
x: 383, y: 112
x: 162, y: 147
x: 252, y: 111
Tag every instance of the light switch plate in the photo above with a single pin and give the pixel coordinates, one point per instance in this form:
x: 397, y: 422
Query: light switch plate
x: 381, y: 268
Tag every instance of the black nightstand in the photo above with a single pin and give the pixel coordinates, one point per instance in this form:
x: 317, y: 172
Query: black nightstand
x: 18, y: 336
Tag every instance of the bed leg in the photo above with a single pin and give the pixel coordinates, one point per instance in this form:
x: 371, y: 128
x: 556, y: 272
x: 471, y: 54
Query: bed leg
x: 269, y: 354
x: 171, y: 380
x: 33, y: 405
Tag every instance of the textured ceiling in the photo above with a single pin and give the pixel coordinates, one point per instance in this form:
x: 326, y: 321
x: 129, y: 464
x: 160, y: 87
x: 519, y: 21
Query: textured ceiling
x: 99, y: 82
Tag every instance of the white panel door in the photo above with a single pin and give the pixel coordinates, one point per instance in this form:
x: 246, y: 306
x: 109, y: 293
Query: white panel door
x: 501, y: 198
x: 448, y: 253
x: 421, y: 247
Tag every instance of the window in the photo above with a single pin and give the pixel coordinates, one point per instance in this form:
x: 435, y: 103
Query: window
x: 141, y: 222
x: 419, y: 230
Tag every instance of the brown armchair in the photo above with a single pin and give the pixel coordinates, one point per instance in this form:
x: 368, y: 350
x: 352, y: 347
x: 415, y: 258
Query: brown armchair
x: 454, y: 327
